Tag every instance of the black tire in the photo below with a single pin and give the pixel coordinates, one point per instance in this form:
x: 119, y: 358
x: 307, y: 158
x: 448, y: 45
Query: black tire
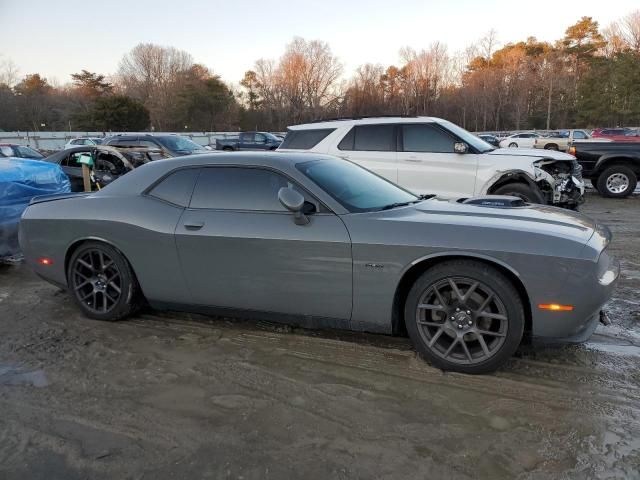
x: 617, y: 181
x: 551, y: 146
x: 594, y: 182
x: 513, y: 145
x: 468, y: 355
x: 97, y: 291
x: 227, y: 149
x: 521, y: 190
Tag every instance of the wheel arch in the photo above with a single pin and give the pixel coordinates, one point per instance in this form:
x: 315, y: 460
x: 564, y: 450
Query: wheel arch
x: 506, y: 177
x: 419, y: 266
x: 607, y: 161
x: 78, y: 242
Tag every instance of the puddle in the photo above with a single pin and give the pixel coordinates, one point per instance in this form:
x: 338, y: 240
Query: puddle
x: 12, y: 376
x: 626, y: 350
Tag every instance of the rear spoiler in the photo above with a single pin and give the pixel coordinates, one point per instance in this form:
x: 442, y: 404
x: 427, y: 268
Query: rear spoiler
x: 57, y: 196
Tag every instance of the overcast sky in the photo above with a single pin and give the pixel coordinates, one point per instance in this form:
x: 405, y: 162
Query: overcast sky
x: 57, y: 38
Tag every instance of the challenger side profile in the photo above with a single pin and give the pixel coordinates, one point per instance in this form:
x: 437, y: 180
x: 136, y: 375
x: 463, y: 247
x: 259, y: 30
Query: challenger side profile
x: 319, y: 241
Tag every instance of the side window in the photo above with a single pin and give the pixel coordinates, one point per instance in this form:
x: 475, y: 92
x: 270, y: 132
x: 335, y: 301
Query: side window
x: 375, y: 138
x: 246, y: 137
x: 260, y: 138
x: 305, y: 139
x: 426, y: 138
x: 236, y: 188
x: 579, y: 134
x: 347, y: 142
x: 177, y: 187
x: 72, y: 160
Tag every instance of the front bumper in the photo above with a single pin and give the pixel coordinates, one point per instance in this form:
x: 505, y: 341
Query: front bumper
x: 578, y: 325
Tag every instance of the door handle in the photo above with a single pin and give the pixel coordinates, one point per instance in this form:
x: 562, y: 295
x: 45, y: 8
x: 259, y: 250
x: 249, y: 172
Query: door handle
x: 194, y: 225
x: 414, y: 159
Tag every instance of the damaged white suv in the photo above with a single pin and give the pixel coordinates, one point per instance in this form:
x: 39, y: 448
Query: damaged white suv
x: 433, y: 156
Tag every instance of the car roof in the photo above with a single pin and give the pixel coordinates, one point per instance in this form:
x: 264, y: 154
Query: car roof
x: 363, y: 121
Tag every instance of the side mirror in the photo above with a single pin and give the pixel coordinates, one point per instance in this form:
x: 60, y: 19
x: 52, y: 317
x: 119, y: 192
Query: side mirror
x: 460, y: 147
x: 294, y: 202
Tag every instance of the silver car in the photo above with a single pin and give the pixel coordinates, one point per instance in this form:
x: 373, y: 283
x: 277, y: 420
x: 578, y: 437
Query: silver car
x: 321, y: 242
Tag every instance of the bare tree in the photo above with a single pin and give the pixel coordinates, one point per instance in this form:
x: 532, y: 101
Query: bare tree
x: 9, y: 73
x: 152, y: 74
x: 630, y: 30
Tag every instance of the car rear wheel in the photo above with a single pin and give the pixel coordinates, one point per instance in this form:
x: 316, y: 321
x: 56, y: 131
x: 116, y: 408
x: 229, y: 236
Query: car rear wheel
x: 513, y: 145
x: 464, y: 316
x: 227, y: 149
x: 551, y: 146
x: 617, y: 181
x: 521, y: 190
x: 102, y: 282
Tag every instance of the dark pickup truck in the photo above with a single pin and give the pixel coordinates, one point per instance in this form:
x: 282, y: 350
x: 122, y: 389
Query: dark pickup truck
x: 249, y: 141
x: 612, y: 167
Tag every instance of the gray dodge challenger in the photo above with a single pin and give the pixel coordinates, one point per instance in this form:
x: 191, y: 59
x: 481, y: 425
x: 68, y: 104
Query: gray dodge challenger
x: 321, y: 242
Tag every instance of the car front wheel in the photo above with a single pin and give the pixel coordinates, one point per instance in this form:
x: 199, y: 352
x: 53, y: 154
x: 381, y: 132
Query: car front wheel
x: 102, y: 282
x: 617, y: 181
x: 464, y: 316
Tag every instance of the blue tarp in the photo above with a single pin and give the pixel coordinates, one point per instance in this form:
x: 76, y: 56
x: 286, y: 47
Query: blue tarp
x: 20, y: 181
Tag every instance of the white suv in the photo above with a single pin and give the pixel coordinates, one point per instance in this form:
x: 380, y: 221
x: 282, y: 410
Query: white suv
x: 433, y: 156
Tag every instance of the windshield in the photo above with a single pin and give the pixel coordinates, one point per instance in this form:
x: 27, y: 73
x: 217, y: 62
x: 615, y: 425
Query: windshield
x: 467, y: 137
x: 26, y: 152
x: 272, y: 137
x: 97, y: 141
x: 356, y: 189
x: 177, y: 143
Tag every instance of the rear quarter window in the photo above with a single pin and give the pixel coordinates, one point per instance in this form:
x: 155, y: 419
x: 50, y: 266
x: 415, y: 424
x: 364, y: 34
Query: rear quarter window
x: 177, y: 187
x: 305, y: 139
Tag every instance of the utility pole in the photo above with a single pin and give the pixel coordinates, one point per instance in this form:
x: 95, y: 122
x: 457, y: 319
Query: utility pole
x: 549, y: 102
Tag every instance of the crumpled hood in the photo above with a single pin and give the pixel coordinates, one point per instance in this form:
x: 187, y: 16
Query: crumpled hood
x: 537, y: 219
x: 532, y: 152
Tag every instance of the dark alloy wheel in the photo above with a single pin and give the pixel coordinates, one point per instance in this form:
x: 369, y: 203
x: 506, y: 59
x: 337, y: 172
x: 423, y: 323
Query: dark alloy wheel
x: 465, y: 316
x: 521, y: 190
x: 513, y: 145
x: 102, y: 282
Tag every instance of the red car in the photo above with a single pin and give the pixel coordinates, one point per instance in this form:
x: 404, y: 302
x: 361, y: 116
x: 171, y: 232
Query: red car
x: 617, y: 134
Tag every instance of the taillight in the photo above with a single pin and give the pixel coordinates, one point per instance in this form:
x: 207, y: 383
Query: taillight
x: 45, y: 261
x: 572, y: 151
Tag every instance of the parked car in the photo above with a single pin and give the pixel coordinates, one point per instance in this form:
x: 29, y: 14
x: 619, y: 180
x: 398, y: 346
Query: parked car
x: 109, y: 162
x: 431, y: 155
x: 617, y: 134
x: 520, y: 140
x: 20, y: 181
x: 81, y: 141
x: 612, y: 167
x: 490, y: 139
x: 325, y: 242
x: 173, y: 145
x: 560, y: 140
x: 249, y: 141
x: 19, y: 151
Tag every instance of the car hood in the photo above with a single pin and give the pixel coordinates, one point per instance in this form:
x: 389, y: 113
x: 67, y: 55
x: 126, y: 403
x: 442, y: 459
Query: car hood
x: 532, y: 152
x: 535, y: 219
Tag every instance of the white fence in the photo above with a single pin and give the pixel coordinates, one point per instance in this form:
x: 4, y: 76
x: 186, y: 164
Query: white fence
x: 57, y: 140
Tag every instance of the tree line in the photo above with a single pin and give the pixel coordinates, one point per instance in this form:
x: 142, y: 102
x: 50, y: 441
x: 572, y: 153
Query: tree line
x: 588, y: 78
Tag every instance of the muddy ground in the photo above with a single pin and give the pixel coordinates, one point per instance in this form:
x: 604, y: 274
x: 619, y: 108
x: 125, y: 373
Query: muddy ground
x: 179, y: 396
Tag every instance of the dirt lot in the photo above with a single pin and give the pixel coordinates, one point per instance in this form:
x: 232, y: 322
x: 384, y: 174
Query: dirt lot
x: 180, y: 396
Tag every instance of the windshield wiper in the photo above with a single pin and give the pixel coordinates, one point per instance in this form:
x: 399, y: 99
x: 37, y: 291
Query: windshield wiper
x: 401, y: 204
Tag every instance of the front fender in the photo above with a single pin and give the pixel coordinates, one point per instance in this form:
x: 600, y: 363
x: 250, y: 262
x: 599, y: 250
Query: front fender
x: 506, y: 176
